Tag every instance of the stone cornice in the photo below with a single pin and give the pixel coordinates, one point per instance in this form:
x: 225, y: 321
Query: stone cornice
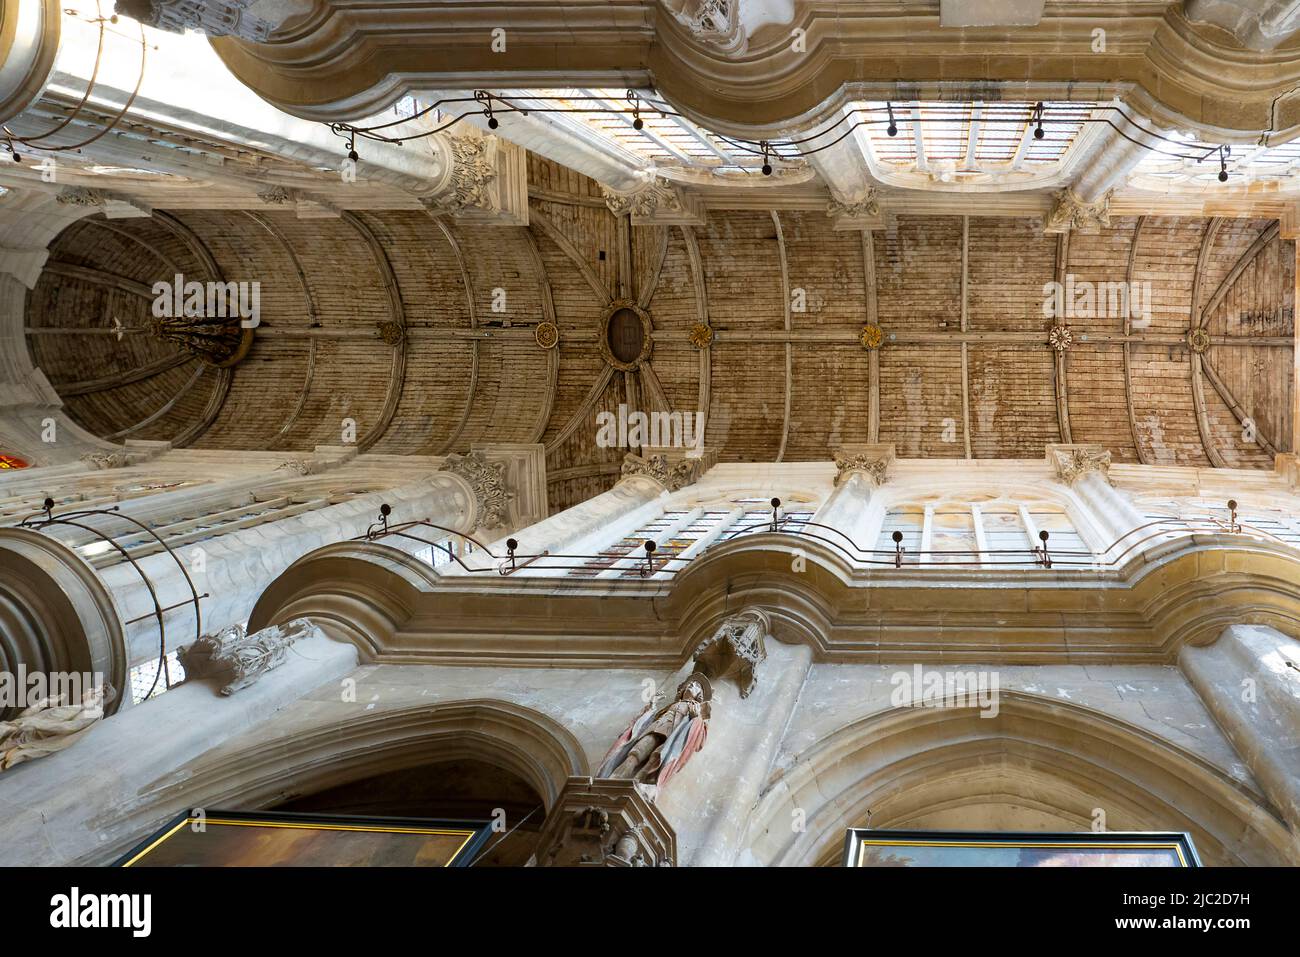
x: 1184, y: 591
x: 1186, y: 72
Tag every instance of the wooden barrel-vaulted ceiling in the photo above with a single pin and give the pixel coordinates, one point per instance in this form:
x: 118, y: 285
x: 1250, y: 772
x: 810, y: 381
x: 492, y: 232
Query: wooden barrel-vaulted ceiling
x: 423, y: 332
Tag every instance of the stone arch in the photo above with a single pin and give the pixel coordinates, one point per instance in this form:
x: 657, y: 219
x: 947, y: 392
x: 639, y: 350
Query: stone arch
x: 906, y: 764
x: 253, y: 772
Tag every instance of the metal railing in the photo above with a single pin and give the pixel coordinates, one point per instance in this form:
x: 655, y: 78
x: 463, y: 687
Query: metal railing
x: 647, y: 565
x: 42, y: 520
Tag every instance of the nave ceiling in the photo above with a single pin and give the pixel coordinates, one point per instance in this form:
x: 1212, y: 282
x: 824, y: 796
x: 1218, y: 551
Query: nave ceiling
x: 424, y: 331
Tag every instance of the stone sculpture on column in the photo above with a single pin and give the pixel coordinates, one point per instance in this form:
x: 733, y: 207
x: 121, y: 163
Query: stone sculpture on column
x: 241, y: 658
x: 661, y: 741
x: 50, y: 726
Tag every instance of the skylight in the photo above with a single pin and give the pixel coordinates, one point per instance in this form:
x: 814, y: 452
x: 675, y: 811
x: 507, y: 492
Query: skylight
x: 955, y: 143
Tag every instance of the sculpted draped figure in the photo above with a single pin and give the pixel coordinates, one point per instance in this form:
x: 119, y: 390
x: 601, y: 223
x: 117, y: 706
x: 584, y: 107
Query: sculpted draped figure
x: 661, y: 740
x: 50, y: 725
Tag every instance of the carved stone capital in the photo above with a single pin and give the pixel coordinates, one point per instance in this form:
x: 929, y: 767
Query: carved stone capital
x: 871, y: 460
x: 736, y: 649
x: 657, y: 201
x: 487, y: 482
x: 277, y: 195
x: 868, y: 204
x: 605, y: 822
x: 660, y: 468
x: 470, y: 169
x: 1072, y: 462
x: 1069, y: 212
x: 238, y: 658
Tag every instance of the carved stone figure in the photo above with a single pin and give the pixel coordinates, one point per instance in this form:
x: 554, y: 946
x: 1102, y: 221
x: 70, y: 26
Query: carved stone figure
x: 50, y: 725
x: 487, y: 480
x: 242, y: 658
x: 606, y: 822
x: 661, y: 741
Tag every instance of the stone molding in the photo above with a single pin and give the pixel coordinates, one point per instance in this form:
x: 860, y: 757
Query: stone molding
x: 1181, y: 73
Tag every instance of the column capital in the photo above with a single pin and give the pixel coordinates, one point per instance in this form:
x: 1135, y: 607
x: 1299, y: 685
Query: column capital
x: 1070, y: 212
x: 871, y: 460
x: 487, y: 484
x: 671, y: 469
x: 1072, y: 462
x: 657, y: 201
x: 481, y: 178
x: 133, y: 452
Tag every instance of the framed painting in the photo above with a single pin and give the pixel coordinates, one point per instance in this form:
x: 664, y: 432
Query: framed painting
x: 280, y: 839
x: 865, y: 847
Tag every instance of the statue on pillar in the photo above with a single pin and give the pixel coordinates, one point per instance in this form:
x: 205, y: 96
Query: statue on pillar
x: 661, y: 740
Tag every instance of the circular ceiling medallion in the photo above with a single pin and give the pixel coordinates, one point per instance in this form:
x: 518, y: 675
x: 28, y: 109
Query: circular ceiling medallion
x: 547, y: 335
x: 1199, y: 340
x: 625, y: 335
x: 872, y: 336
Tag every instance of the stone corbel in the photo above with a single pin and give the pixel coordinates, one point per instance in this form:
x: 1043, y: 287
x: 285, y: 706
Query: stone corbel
x: 871, y: 460
x: 1072, y: 462
x: 736, y: 649
x: 670, y: 469
x: 606, y: 822
x: 240, y: 659
x: 487, y: 483
x: 856, y: 212
x: 481, y: 178
x: 1070, y: 212
x: 657, y: 201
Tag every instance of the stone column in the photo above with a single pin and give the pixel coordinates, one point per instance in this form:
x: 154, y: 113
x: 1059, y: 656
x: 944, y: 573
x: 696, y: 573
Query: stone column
x: 236, y: 567
x: 644, y: 479
x: 1249, y: 680
x: 112, y: 789
x: 859, y: 471
x: 756, y: 685
x: 1086, y: 469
